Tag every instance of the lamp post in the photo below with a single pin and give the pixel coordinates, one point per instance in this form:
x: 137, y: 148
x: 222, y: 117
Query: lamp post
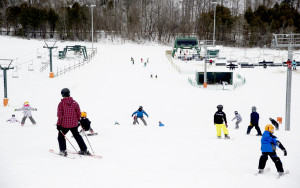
x: 215, y: 5
x: 92, y: 6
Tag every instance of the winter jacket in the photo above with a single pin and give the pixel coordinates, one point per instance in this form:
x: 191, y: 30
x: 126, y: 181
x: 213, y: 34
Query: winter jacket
x: 68, y: 113
x: 13, y: 120
x: 219, y: 117
x: 26, y: 110
x: 269, y: 142
x: 140, y: 113
x: 294, y: 63
x: 238, y: 117
x: 254, y: 118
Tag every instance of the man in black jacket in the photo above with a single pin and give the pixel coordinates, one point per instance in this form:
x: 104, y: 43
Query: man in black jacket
x: 219, y: 118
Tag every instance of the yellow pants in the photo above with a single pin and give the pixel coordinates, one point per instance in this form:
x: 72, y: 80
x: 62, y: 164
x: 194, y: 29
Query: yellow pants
x: 223, y: 127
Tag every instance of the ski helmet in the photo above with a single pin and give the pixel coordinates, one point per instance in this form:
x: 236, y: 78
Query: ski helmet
x: 65, y: 92
x: 83, y: 114
x: 220, y: 107
x: 26, y: 103
x: 235, y: 112
x: 269, y: 128
x: 13, y: 115
x: 140, y: 108
x: 253, y: 109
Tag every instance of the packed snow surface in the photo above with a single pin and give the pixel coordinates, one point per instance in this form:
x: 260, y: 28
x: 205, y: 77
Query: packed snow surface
x: 185, y: 153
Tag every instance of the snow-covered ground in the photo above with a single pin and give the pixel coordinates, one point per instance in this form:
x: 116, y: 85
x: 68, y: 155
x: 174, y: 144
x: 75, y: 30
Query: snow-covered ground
x: 183, y: 153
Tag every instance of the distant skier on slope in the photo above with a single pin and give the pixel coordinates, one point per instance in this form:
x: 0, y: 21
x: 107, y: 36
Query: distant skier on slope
x: 219, y: 118
x: 269, y: 143
x: 254, y: 119
x: 13, y: 119
x: 140, y: 115
x: 27, y: 113
x: 294, y: 64
x: 238, y: 118
x: 86, y: 123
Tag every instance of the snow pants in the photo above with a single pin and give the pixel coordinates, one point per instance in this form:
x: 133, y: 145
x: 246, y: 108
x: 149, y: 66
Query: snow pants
x: 264, y: 157
x: 237, y: 124
x: 31, y: 119
x: 223, y: 127
x: 76, y: 135
x: 256, y: 127
x: 136, y: 119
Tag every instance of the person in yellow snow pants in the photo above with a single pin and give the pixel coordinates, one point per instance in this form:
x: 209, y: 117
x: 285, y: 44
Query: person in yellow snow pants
x: 219, y: 127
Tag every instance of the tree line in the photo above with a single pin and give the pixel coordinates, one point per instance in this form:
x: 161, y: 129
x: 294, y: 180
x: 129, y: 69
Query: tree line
x: 152, y: 20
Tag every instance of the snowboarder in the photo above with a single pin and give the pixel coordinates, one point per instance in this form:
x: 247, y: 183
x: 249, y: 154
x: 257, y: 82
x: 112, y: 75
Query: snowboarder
x: 13, y: 119
x: 140, y: 115
x: 27, y: 113
x: 294, y: 64
x: 275, y: 123
x: 254, y: 119
x: 86, y: 123
x: 68, y: 113
x: 238, y: 119
x: 269, y: 143
x: 219, y: 118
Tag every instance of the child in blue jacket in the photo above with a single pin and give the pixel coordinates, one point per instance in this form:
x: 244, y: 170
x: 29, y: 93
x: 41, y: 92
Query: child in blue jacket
x: 269, y: 143
x: 140, y: 115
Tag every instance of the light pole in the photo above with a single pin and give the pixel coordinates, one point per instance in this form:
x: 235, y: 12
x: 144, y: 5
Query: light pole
x: 5, y: 100
x: 215, y: 5
x: 92, y: 6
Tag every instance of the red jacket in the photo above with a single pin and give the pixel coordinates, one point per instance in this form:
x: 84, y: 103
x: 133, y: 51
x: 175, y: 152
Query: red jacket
x: 68, y: 113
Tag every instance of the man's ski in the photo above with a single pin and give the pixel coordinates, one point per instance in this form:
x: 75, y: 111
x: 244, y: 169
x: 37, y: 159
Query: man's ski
x: 91, y: 155
x: 284, y: 173
x: 265, y: 170
x: 57, y: 153
x: 92, y: 134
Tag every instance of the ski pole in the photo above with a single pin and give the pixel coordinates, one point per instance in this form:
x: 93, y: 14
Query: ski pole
x: 69, y: 142
x: 87, y: 138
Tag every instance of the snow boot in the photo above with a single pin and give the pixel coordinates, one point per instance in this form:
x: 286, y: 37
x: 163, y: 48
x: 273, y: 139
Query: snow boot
x: 226, y: 136
x: 219, y: 137
x: 63, y: 152
x: 260, y: 171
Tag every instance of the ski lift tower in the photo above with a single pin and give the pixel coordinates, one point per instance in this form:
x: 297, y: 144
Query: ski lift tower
x: 50, y: 57
x: 205, y: 44
x: 5, y: 67
x: 288, y: 41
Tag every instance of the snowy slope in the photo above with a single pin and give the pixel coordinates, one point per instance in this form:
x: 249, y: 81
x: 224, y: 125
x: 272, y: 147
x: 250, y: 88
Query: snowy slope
x: 184, y: 153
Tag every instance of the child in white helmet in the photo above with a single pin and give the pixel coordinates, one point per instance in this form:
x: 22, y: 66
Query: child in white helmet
x: 13, y: 119
x: 27, y: 113
x: 238, y: 118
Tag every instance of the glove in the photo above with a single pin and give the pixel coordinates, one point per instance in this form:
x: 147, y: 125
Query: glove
x: 285, y: 153
x: 226, y: 125
x: 58, y: 127
x: 15, y: 109
x: 250, y: 124
x: 36, y: 109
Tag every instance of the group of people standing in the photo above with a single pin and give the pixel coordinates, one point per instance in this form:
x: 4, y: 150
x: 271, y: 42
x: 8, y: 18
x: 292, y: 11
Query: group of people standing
x: 269, y: 142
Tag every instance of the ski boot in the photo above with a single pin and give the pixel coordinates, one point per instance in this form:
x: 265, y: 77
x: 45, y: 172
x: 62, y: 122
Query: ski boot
x: 260, y: 171
x: 226, y: 136
x: 219, y: 137
x: 63, y: 153
x: 84, y: 152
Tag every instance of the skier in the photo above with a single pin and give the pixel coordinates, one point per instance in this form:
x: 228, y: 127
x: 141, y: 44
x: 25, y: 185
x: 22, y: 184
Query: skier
x: 27, y: 113
x: 275, y: 123
x: 254, y: 119
x: 219, y: 118
x: 289, y: 63
x: 68, y: 113
x: 160, y: 124
x: 140, y: 115
x: 132, y: 60
x: 86, y: 123
x: 238, y: 119
x: 294, y: 64
x: 269, y: 143
x: 13, y: 119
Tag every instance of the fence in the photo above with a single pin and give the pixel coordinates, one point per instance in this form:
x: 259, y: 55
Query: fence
x: 176, y: 67
x: 76, y: 65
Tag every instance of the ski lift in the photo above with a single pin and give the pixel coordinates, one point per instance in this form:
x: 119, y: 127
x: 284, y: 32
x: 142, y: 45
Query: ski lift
x: 15, y: 74
x: 30, y: 67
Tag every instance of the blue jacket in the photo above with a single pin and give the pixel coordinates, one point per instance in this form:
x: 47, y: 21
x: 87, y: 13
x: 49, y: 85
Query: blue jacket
x: 140, y: 113
x: 268, y: 142
x: 161, y: 125
x: 254, y: 118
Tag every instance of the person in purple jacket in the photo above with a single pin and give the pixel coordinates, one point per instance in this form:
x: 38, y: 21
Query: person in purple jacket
x: 140, y: 115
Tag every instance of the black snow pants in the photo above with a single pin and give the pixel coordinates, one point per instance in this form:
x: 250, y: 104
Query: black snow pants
x: 31, y: 119
x: 76, y: 135
x: 256, y: 127
x: 264, y: 157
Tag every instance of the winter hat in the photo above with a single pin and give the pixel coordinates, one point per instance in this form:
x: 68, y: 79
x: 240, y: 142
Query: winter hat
x: 253, y: 109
